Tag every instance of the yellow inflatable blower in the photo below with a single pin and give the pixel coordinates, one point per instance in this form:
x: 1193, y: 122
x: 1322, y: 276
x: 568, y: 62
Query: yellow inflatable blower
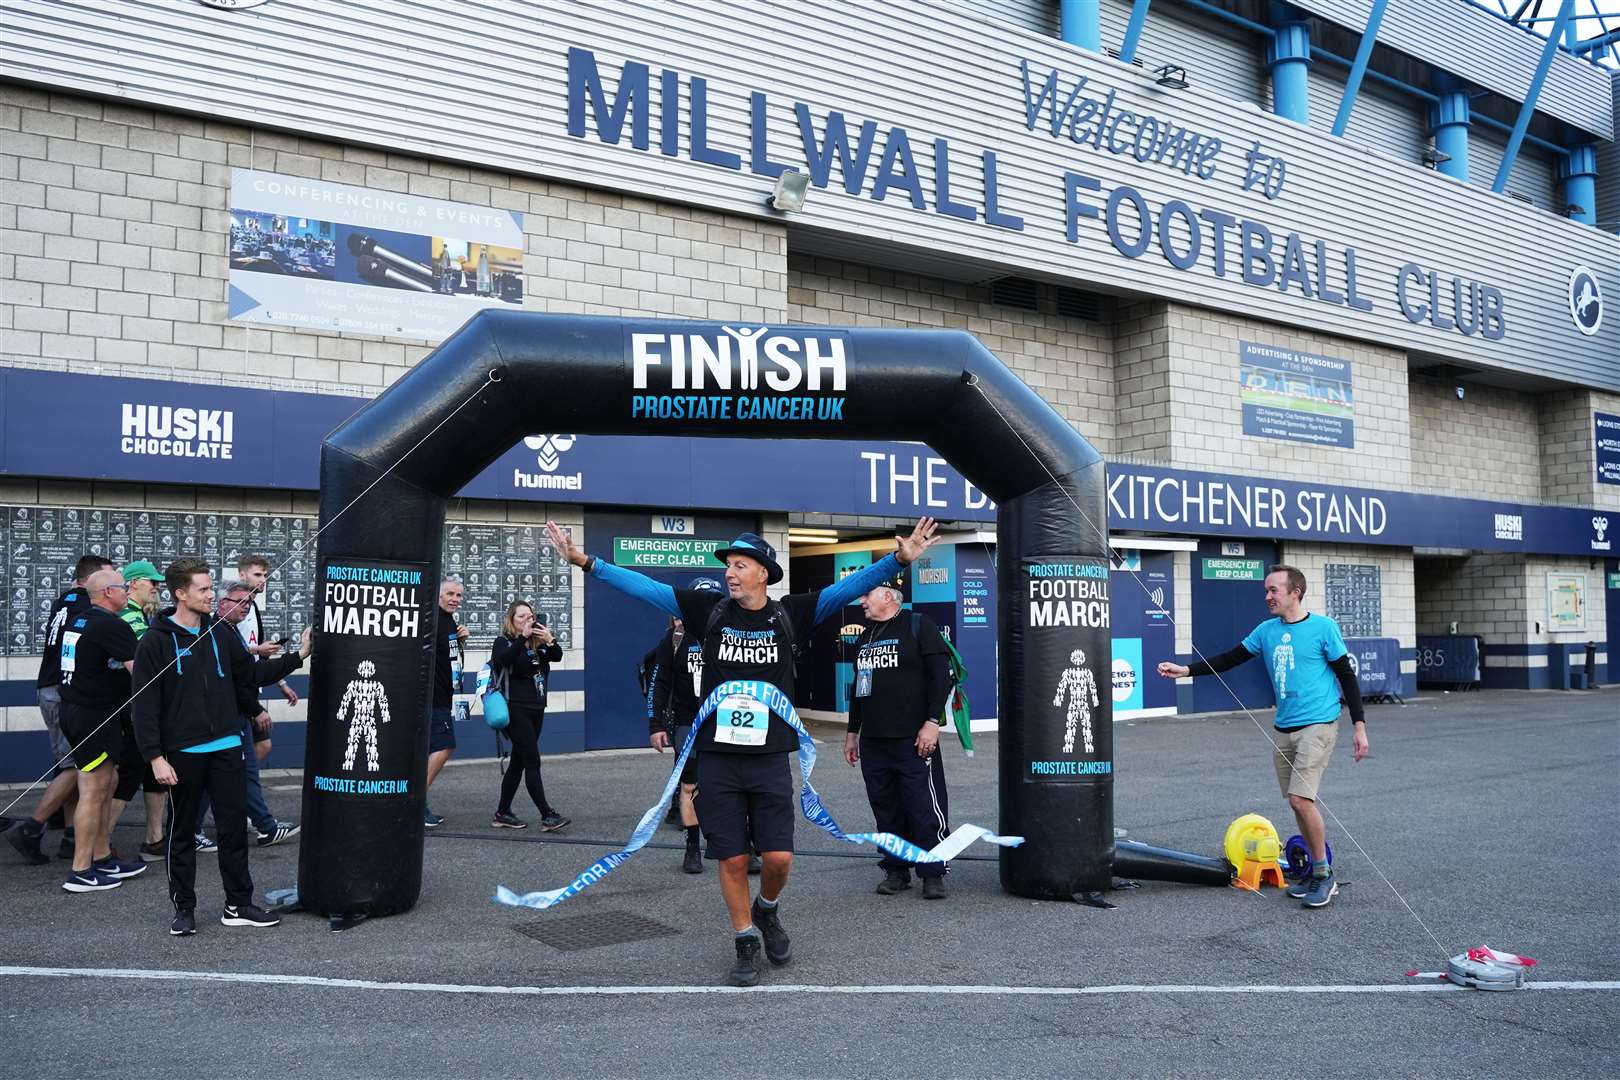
x: 1253, y: 847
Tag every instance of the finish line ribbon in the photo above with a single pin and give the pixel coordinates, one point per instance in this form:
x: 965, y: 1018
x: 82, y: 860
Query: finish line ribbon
x: 809, y: 801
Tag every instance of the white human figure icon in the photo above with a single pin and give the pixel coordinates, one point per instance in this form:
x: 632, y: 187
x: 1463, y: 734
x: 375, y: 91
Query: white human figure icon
x: 747, y: 353
x: 369, y: 700
x: 1079, y: 684
x: 1282, y: 662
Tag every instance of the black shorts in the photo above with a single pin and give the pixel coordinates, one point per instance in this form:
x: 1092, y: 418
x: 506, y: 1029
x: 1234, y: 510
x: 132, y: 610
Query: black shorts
x: 689, y: 770
x: 745, y: 801
x: 96, y: 740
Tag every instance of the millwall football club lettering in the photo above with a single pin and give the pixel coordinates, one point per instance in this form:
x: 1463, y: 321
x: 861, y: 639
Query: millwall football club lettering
x: 738, y: 374
x: 166, y: 431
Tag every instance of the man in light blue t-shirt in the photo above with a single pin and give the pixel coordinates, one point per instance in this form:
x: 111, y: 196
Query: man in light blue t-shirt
x: 1310, y: 671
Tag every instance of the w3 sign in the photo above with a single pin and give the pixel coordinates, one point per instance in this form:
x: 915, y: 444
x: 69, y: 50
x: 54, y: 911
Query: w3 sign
x: 665, y: 525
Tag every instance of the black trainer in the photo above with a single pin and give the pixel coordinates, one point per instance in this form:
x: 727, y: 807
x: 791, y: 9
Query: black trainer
x: 778, y: 946
x: 933, y: 888
x: 894, y: 881
x: 185, y: 922
x: 693, y: 862
x: 746, y: 971
x: 247, y: 915
x: 25, y: 838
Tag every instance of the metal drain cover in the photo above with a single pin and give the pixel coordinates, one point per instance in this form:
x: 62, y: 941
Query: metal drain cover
x: 592, y: 931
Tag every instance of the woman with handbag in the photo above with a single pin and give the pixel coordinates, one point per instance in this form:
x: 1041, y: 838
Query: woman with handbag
x: 520, y: 661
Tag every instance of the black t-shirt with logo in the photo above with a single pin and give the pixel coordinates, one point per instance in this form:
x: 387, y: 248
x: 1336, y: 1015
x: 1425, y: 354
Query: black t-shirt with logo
x: 747, y: 645
x: 901, y: 677
x: 677, y: 677
x: 447, y: 662
x: 95, y: 645
x: 71, y: 603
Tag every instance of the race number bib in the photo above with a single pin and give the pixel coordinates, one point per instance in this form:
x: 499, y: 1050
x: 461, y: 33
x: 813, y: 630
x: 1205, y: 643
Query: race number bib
x: 741, y: 720
x: 70, y: 658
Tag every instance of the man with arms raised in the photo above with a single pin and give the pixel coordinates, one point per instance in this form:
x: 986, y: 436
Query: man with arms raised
x: 745, y: 785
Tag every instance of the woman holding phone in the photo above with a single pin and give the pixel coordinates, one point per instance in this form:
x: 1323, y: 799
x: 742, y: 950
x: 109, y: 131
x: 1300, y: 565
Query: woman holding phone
x: 521, y: 658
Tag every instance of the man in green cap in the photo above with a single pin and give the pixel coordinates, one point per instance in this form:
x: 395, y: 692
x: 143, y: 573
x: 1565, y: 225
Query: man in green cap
x: 143, y: 580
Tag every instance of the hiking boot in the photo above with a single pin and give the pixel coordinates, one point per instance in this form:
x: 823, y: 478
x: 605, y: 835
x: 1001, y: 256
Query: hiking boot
x: 185, y: 923
x: 25, y: 838
x: 894, y: 881
x: 1322, y: 890
x: 503, y: 820
x: 746, y: 970
x: 693, y: 862
x: 933, y: 888
x: 778, y: 946
x: 553, y: 821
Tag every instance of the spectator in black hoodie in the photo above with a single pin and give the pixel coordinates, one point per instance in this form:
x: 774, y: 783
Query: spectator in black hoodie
x: 197, y: 681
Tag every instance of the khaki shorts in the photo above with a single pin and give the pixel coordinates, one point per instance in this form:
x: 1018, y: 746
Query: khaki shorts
x: 1302, y: 756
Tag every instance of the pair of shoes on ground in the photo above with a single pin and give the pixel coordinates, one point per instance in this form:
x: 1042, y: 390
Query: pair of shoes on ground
x: 898, y: 881
x: 551, y: 822
x: 1314, y: 891
x: 777, y: 946
x: 185, y: 919
x: 109, y: 873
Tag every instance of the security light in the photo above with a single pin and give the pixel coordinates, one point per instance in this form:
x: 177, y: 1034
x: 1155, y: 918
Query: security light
x: 1172, y: 76
x: 790, y: 191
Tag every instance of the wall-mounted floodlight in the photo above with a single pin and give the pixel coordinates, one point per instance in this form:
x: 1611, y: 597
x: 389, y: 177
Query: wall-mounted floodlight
x: 1171, y: 76
x: 1433, y: 157
x: 1574, y: 209
x: 788, y: 195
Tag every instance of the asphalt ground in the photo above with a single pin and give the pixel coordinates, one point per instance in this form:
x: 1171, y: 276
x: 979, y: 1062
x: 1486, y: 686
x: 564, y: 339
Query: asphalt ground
x: 1492, y: 814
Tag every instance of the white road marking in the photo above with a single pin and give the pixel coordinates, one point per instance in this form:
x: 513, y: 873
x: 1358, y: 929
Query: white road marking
x: 264, y: 979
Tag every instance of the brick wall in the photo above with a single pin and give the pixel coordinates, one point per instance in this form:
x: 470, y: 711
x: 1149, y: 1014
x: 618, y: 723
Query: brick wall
x: 1482, y: 594
x: 1568, y: 450
x: 113, y: 241
x: 1396, y: 582
x: 1486, y: 445
x: 1067, y: 361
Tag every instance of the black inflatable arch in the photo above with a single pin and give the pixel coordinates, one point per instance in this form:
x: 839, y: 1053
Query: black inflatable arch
x: 388, y: 473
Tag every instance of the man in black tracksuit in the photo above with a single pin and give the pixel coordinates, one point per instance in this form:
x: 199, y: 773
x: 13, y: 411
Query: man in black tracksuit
x: 902, y: 678
x: 197, y: 682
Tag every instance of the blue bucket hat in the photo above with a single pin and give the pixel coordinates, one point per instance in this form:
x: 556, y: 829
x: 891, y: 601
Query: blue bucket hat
x: 754, y: 546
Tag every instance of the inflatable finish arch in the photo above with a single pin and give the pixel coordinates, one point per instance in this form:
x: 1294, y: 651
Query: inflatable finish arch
x: 388, y: 473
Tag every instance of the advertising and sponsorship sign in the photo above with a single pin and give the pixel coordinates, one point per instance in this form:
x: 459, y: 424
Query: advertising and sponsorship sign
x: 1126, y: 676
x: 376, y: 622
x: 1067, y: 666
x: 1296, y: 396
x: 323, y: 256
x: 1448, y: 658
x: 739, y: 374
x: 1606, y: 437
x: 933, y: 576
x: 669, y: 552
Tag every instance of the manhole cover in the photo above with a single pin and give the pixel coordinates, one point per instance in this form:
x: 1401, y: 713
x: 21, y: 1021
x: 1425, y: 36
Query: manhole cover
x: 591, y: 931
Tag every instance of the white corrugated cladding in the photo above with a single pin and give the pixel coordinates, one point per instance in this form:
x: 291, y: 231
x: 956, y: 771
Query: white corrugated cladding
x: 1387, y: 121
x: 1483, y: 49
x: 1217, y: 57
x: 1608, y: 178
x: 488, y: 86
x: 1533, y: 173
